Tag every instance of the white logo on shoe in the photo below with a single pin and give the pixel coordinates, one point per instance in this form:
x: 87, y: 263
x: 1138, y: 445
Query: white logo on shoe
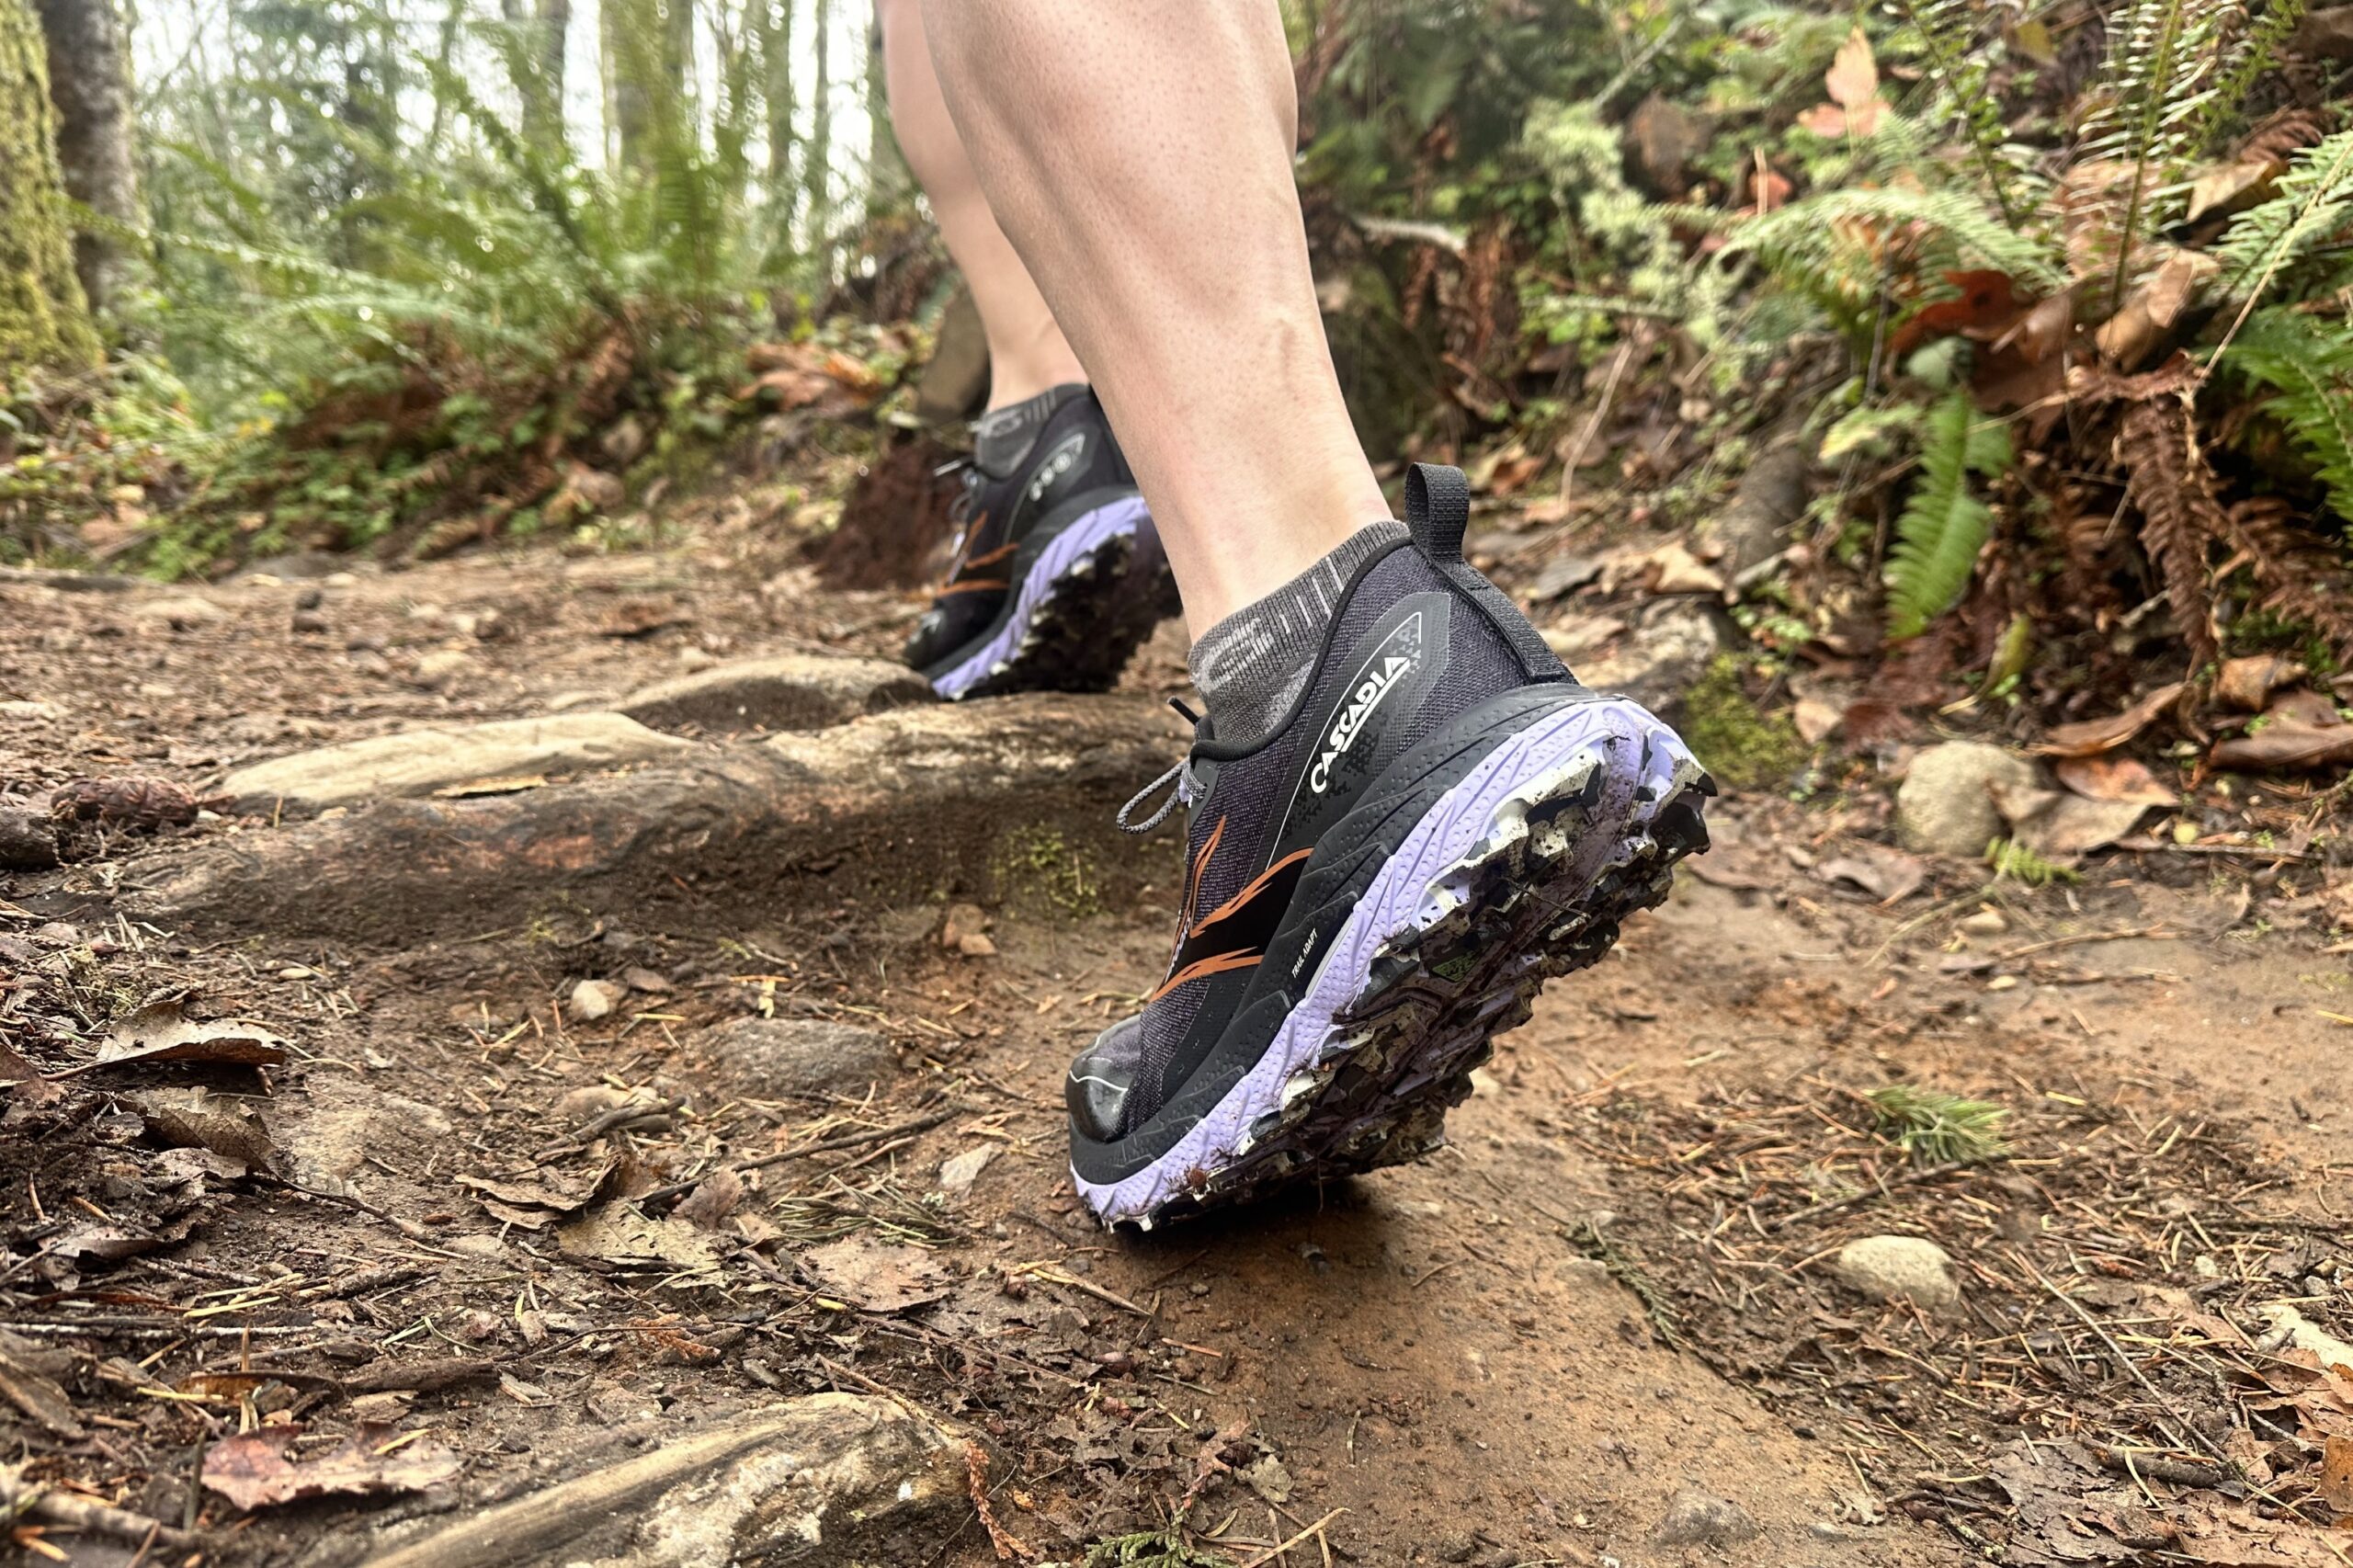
x: 1399, y: 652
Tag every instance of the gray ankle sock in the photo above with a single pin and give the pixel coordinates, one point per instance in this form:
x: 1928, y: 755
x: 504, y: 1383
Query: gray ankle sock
x: 1251, y: 666
x: 1003, y: 437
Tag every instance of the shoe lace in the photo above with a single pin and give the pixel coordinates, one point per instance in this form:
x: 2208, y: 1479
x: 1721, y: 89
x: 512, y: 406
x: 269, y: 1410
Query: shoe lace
x: 967, y: 472
x: 1187, y: 786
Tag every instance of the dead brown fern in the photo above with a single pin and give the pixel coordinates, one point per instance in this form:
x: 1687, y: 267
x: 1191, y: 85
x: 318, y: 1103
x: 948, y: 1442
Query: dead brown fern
x: 2296, y: 575
x: 2181, y: 516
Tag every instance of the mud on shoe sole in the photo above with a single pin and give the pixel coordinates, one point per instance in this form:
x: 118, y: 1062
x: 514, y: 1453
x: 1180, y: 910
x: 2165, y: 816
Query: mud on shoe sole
x: 1083, y: 610
x: 1523, y: 871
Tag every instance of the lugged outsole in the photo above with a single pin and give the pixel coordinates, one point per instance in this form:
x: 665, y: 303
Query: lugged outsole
x: 1082, y: 611
x: 1524, y: 870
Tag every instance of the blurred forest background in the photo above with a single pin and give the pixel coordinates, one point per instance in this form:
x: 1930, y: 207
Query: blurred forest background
x: 1997, y: 346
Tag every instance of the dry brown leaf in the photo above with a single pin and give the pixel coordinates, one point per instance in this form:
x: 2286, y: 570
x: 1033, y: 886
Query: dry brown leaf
x: 2059, y: 826
x: 1888, y: 875
x: 2247, y: 683
x: 1674, y: 570
x: 2229, y: 188
x: 876, y: 1277
x: 623, y: 1235
x: 1853, y: 78
x: 224, y: 1125
x: 2089, y: 737
x: 252, y: 1470
x: 163, y: 1033
x: 713, y: 1199
x: 541, y: 1198
x: 2115, y: 778
x: 2335, y: 1483
x: 2292, y: 734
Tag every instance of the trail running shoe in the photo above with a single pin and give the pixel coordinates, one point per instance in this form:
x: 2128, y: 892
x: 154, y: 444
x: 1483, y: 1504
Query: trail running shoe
x: 1058, y: 574
x: 1445, y: 820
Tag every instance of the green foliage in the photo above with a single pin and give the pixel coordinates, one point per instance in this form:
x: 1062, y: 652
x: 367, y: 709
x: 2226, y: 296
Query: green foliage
x: 1943, y: 524
x: 1738, y: 742
x: 1152, y: 1549
x: 2308, y: 362
x: 1831, y: 246
x: 2268, y: 242
x: 1939, y: 1129
x: 2014, y: 862
x: 2152, y: 106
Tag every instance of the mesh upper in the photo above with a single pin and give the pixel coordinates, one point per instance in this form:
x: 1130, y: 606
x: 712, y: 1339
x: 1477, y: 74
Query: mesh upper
x: 1247, y: 795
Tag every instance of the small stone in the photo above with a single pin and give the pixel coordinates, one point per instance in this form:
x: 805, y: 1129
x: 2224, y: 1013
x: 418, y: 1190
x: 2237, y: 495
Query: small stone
x: 27, y: 841
x: 307, y: 623
x: 958, y: 1173
x: 965, y: 921
x: 771, y: 1058
x: 594, y: 999
x: 181, y: 612
x: 30, y: 710
x: 581, y: 1106
x: 617, y: 1406
x: 975, y: 944
x: 1946, y: 803
x: 645, y: 980
x: 476, y: 1246
x: 1485, y: 1085
x: 1986, y: 922
x: 439, y: 670
x: 1894, y: 1268
x: 1697, y: 1519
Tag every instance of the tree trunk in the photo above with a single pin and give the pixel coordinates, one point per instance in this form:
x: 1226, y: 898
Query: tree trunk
x: 646, y: 50
x: 44, y: 316
x: 89, y: 82
x: 817, y: 168
x: 776, y: 61
x: 543, y: 27
x: 888, y: 183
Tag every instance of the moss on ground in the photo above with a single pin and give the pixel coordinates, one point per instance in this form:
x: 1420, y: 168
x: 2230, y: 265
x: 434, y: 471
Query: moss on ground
x: 1040, y: 873
x: 1737, y: 742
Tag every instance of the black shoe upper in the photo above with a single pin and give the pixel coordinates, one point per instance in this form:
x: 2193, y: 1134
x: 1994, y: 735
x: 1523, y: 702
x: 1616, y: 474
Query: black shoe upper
x: 1006, y: 493
x: 1417, y: 639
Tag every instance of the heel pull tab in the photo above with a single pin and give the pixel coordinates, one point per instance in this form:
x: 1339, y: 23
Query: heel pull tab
x: 1438, y: 509
x: 1437, y: 514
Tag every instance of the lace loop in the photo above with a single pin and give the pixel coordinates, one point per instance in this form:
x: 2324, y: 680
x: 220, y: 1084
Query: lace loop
x: 1188, y: 786
x: 1181, y: 775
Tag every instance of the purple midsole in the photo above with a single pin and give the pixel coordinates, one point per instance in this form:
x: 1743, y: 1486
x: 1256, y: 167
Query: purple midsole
x: 1637, y: 749
x: 1090, y: 532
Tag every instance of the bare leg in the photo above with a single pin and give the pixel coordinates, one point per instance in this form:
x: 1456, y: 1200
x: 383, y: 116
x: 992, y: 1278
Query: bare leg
x: 1138, y: 153
x: 1026, y: 350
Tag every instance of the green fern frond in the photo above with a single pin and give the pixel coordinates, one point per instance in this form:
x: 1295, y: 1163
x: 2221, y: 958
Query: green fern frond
x: 1943, y: 524
x: 2156, y: 92
x: 1831, y: 245
x: 1940, y: 1128
x: 2309, y: 364
x: 1152, y: 1548
x: 1947, y: 32
x: 2014, y: 862
x: 2269, y: 240
x: 2251, y: 54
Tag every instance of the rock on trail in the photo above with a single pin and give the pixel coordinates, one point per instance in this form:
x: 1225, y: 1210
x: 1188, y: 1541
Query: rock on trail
x: 978, y: 799
x: 791, y: 691
x: 768, y: 1059
x: 1946, y: 804
x: 418, y: 762
x: 825, y: 1479
x: 1890, y: 1268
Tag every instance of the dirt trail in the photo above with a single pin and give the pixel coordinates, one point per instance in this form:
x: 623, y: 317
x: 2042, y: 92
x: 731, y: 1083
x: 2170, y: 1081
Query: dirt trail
x: 1602, y: 1327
